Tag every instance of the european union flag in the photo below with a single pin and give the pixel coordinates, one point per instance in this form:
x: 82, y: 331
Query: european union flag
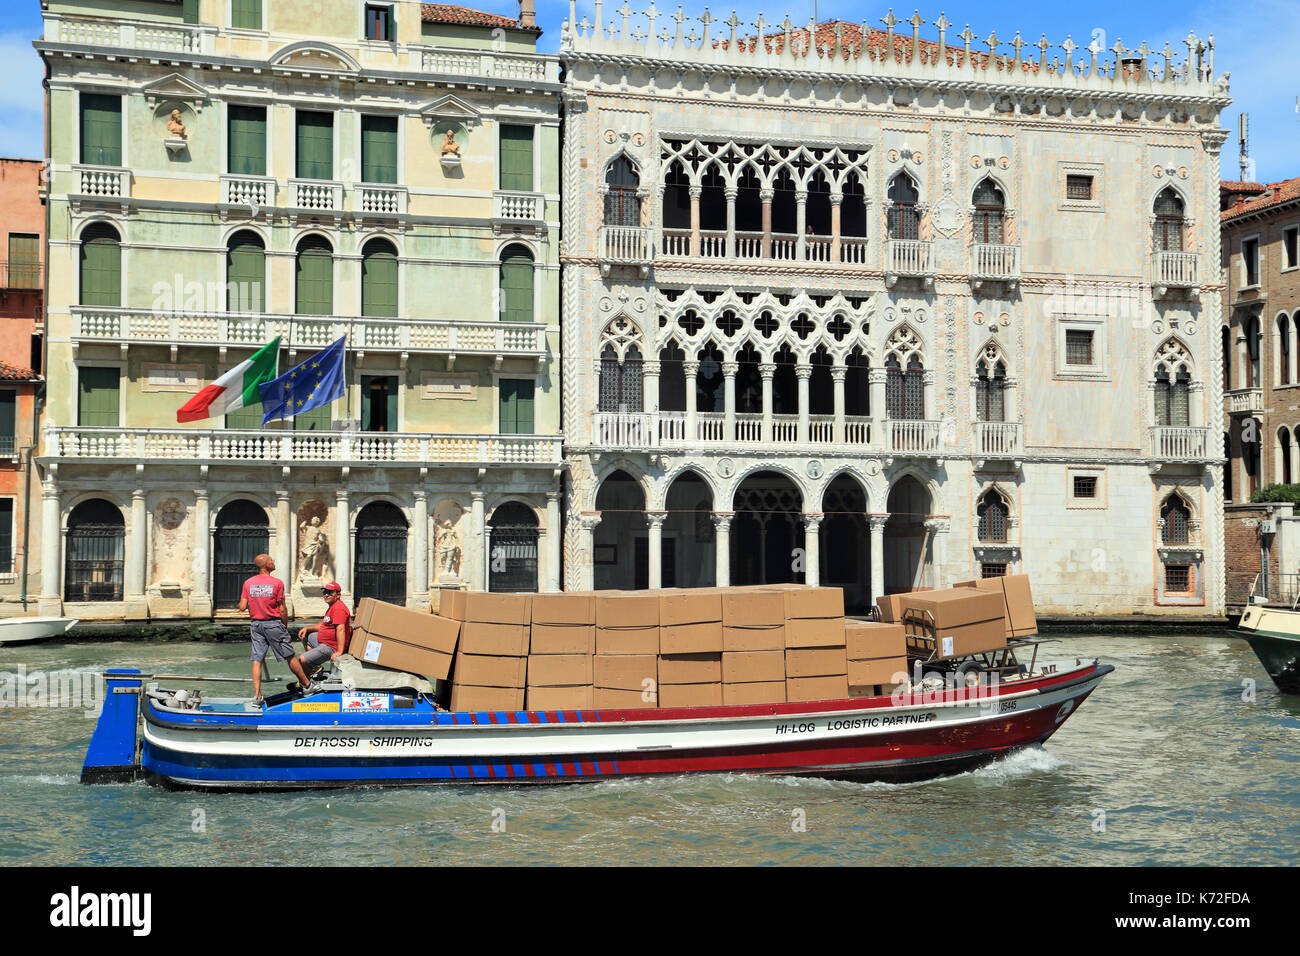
x: 316, y: 382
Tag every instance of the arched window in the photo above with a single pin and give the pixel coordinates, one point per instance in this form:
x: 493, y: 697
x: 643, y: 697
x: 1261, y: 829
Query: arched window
x: 1283, y: 349
x: 620, y: 380
x: 513, y: 548
x: 904, y: 390
x: 1282, y: 459
x: 242, y: 533
x: 1253, y: 335
x: 314, y: 284
x: 1173, y: 377
x: 622, y: 205
x: 380, y: 568
x: 245, y: 273
x: 904, y: 223
x: 992, y: 514
x: 516, y: 284
x: 677, y: 197
x: 1169, y: 221
x: 1176, y: 517
x: 989, y: 211
x: 95, y: 547
x: 379, y: 278
x: 1225, y: 345
x: 101, y: 265
x: 990, y: 388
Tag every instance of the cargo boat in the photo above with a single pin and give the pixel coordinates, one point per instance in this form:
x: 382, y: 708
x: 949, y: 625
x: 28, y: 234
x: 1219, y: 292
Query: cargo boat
x: 1274, y: 636
x: 342, y: 737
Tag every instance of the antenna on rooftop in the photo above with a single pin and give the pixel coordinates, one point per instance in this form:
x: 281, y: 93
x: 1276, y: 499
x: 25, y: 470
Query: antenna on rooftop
x: 1243, y: 142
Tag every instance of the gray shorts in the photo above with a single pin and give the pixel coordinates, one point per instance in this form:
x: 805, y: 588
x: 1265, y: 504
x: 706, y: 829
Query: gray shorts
x: 318, y: 654
x: 274, y: 635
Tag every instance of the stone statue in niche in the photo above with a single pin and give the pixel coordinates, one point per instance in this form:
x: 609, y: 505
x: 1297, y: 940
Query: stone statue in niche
x: 449, y: 145
x: 175, y: 128
x: 448, y: 550
x: 312, y: 550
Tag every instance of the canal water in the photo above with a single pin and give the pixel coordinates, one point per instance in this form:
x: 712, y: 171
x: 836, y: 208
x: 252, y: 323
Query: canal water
x: 1170, y: 761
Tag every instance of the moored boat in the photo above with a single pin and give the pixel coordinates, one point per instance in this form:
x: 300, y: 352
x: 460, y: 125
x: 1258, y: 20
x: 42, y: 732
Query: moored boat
x: 1274, y: 636
x: 28, y: 630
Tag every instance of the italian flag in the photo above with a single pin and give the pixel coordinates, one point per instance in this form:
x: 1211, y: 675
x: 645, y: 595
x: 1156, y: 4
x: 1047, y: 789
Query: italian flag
x: 236, y: 389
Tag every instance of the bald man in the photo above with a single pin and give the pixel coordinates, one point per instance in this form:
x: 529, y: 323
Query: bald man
x: 263, y: 599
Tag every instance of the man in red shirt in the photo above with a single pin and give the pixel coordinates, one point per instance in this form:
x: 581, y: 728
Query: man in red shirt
x: 263, y: 599
x: 329, y: 639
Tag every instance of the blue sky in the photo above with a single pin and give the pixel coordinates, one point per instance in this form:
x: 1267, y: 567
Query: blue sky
x: 1258, y: 43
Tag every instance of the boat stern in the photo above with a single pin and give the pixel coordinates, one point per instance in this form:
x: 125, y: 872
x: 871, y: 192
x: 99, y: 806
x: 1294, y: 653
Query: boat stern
x: 113, y: 753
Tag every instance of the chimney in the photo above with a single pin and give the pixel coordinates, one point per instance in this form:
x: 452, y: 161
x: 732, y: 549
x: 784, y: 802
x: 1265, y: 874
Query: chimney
x: 527, y: 14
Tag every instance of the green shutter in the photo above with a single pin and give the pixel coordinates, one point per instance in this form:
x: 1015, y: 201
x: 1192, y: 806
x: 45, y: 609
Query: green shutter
x: 516, y: 288
x: 379, y: 283
x: 315, y: 283
x: 246, y: 14
x: 379, y: 389
x: 315, y: 145
x: 101, y: 129
x: 248, y: 417
x: 97, y: 396
x: 516, y: 402
x: 247, y: 140
x: 24, y: 261
x: 101, y: 267
x: 6, y: 535
x: 316, y: 420
x: 8, y: 399
x: 506, y: 403
x: 245, y: 275
x: 379, y: 149
x: 190, y: 11
x: 517, y: 158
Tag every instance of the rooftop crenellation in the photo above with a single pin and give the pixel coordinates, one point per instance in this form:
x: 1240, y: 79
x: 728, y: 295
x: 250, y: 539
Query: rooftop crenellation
x: 898, y: 50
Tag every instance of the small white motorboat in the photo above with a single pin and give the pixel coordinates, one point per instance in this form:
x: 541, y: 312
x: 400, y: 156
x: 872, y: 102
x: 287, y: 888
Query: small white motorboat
x: 25, y: 630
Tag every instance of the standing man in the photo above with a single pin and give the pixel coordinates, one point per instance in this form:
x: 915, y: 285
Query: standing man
x: 263, y: 599
x: 329, y: 639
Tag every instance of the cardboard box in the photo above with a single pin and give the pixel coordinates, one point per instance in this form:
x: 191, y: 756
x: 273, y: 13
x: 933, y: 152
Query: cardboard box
x: 700, y: 638
x: 816, y: 688
x: 815, y: 662
x: 878, y: 671
x: 554, y: 670
x: 430, y: 631
x: 802, y: 601
x: 499, y: 640
x: 864, y: 640
x: 627, y: 609
x: 690, y: 668
x: 753, y: 638
x: 815, y: 632
x: 627, y: 640
x: 690, y: 695
x: 745, y: 608
x: 891, y: 608
x: 562, y: 639
x: 610, y: 697
x: 754, y: 692
x: 871, y: 690
x: 480, y: 670
x: 625, y: 671
x: 560, y: 698
x: 389, y: 652
x: 962, y: 620
x: 747, y: 667
x: 691, y: 606
x: 1019, y: 605
x: 573, y: 607
x: 486, y: 608
x: 466, y: 697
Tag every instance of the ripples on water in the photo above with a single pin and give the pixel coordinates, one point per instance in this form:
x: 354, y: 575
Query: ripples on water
x: 1184, y: 770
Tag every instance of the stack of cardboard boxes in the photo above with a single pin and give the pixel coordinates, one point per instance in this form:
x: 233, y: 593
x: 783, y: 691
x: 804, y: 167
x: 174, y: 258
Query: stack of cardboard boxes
x: 690, y: 647
x: 626, y: 667
x: 816, y: 667
x: 972, y: 618
x: 1017, y: 602
x: 392, y: 636
x: 877, y: 654
x: 492, y: 658
x: 562, y: 644
x: 753, y: 646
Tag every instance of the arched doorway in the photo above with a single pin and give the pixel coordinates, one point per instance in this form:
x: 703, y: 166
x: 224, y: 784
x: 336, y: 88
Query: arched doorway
x: 621, y: 557
x: 380, y: 568
x: 907, y: 557
x: 242, y: 533
x: 95, y: 549
x: 845, y: 546
x: 766, y: 530
x: 688, y: 535
x: 512, y: 554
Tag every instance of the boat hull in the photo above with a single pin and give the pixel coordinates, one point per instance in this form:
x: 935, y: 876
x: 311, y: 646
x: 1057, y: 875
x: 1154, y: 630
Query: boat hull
x: 1274, y: 636
x: 873, y: 739
x: 28, y: 630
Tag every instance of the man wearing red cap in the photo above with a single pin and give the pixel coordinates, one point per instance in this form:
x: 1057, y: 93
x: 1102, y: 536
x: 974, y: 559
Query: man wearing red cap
x: 328, y: 639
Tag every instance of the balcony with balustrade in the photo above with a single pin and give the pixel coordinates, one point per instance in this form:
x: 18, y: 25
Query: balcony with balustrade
x: 315, y: 197
x: 1180, y: 443
x: 625, y: 246
x: 909, y: 258
x: 911, y: 437
x: 448, y: 338
x: 1245, y: 401
x: 775, y: 247
x: 640, y: 431
x: 1175, y: 271
x: 275, y: 446
x: 994, y: 262
x: 997, y: 440
x: 100, y: 185
x: 515, y: 208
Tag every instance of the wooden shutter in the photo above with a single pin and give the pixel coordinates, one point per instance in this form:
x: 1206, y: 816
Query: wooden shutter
x: 316, y: 420
x: 245, y: 274
x: 516, y: 287
x: 379, y: 149
x: 379, y: 389
x: 6, y: 535
x: 517, y: 158
x: 101, y: 267
x: 516, y: 398
x: 379, y: 280
x: 8, y: 418
x: 101, y: 129
x: 392, y: 404
x: 249, y: 417
x: 247, y: 140
x: 97, y: 398
x: 315, y: 281
x: 246, y: 14
x: 190, y: 11
x: 24, y: 261
x: 315, y: 145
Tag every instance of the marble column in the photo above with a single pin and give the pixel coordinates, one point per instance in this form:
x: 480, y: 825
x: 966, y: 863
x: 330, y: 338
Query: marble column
x: 802, y: 375
x: 1196, y: 406
x: 420, y: 565
x: 801, y: 226
x: 201, y: 556
x: 729, y: 370
x: 342, y: 543
x: 838, y: 372
x: 691, y: 368
x: 476, y: 554
x: 554, y: 541
x: 695, y: 192
x: 876, y: 523
x: 51, y: 603
x: 937, y: 533
x: 836, y: 200
x: 765, y: 249
x: 730, y: 192
x: 812, y: 573
x: 137, y: 540
x: 931, y: 410
x: 876, y: 396
x: 767, y: 370
x: 587, y: 523
x: 722, y: 548
x: 286, y: 539
x: 650, y: 385
x: 655, y: 522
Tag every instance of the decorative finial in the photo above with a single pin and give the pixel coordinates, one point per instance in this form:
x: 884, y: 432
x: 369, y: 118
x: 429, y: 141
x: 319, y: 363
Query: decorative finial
x: 992, y: 41
x: 651, y: 14
x: 761, y: 43
x: 706, y: 20
x: 680, y: 18
x: 1043, y: 47
x: 1017, y: 43
x: 943, y: 25
x: 889, y: 20
x: 966, y: 36
x: 916, y: 22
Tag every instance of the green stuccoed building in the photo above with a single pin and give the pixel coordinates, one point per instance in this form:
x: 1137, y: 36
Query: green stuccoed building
x: 226, y: 172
